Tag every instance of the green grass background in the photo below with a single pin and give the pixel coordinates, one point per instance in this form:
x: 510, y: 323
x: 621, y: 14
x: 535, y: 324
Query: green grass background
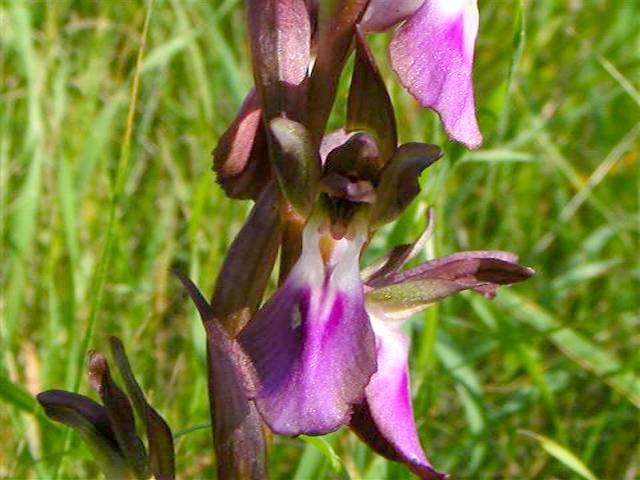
x: 540, y: 383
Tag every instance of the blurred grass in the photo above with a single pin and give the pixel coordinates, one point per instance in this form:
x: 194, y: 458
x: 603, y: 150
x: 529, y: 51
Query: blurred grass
x: 556, y: 181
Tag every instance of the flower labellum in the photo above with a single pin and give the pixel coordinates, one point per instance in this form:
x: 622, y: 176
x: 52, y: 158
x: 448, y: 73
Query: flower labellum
x: 311, y: 343
x: 432, y: 53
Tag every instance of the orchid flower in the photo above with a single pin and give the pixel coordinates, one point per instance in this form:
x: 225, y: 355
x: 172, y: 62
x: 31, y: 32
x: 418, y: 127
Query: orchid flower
x: 432, y: 53
x: 312, y: 344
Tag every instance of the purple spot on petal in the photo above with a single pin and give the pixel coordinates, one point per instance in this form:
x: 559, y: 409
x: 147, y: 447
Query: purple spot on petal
x: 335, y: 317
x: 454, y: 34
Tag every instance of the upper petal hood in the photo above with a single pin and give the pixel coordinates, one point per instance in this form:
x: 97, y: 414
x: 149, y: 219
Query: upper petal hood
x: 312, y: 344
x: 432, y: 53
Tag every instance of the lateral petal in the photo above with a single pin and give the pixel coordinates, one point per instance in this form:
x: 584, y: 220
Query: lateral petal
x: 385, y: 420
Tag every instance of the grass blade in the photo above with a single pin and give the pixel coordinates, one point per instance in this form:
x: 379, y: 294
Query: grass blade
x: 562, y: 454
x: 584, y: 352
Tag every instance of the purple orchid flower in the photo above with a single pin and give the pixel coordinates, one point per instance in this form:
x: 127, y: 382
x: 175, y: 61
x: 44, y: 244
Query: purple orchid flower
x: 392, y: 296
x: 328, y: 349
x: 432, y: 53
x: 312, y: 344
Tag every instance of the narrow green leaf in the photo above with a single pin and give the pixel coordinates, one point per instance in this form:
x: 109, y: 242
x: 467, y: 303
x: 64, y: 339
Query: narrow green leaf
x: 562, y: 454
x: 326, y: 449
x: 16, y: 395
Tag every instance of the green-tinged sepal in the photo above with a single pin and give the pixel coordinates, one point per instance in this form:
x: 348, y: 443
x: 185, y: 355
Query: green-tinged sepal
x: 297, y: 164
x: 399, y: 294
